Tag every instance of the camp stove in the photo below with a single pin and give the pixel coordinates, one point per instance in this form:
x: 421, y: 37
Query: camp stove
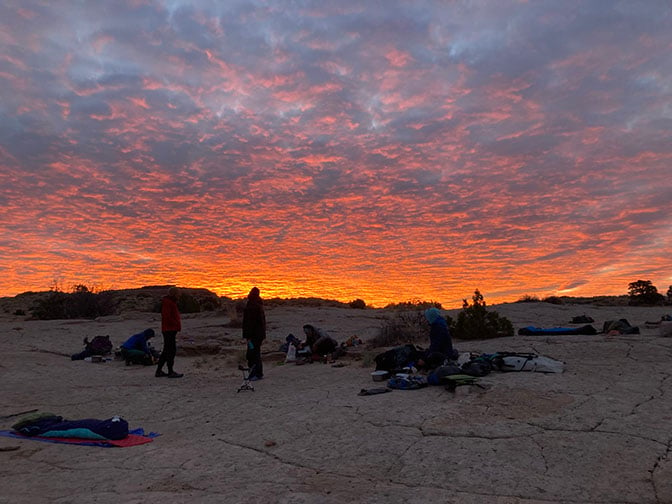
x: 246, y: 385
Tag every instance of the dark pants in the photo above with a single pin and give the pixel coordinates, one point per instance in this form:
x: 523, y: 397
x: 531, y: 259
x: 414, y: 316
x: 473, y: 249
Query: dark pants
x: 136, y: 357
x: 254, y: 361
x: 434, y: 360
x: 168, y: 352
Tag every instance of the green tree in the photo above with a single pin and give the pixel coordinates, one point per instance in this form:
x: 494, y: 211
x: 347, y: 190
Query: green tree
x: 476, y: 322
x: 643, y: 292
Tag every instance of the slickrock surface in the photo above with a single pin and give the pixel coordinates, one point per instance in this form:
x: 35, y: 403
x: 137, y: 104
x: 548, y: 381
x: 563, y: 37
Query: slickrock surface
x: 598, y: 433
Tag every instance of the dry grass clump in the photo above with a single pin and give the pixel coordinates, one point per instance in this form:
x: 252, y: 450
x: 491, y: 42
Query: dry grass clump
x: 402, y: 328
x: 234, y: 311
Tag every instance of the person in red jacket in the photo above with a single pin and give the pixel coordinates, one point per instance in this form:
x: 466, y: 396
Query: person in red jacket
x: 170, y: 325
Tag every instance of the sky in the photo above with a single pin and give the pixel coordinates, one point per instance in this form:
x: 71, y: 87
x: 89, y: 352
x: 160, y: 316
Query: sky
x: 387, y: 151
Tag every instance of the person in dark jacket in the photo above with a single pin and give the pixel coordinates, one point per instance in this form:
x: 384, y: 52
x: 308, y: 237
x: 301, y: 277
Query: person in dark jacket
x: 171, y: 324
x: 254, y: 331
x: 135, y: 350
x: 440, y: 342
x: 319, y: 342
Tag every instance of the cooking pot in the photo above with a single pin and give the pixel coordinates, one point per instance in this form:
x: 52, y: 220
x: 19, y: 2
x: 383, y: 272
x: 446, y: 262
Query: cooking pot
x: 380, y: 375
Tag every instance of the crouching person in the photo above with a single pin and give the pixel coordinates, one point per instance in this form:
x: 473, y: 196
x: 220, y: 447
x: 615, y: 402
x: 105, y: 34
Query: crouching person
x: 319, y: 342
x: 440, y: 343
x: 136, y: 349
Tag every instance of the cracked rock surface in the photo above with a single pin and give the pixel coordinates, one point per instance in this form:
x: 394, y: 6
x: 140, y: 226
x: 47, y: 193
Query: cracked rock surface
x: 600, y: 432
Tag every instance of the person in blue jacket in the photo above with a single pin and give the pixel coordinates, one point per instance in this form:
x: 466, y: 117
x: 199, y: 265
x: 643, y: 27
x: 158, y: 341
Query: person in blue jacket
x: 136, y: 350
x: 440, y: 342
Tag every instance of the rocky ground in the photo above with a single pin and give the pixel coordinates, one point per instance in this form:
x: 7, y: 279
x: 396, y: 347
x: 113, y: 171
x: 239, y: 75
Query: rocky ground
x: 597, y: 433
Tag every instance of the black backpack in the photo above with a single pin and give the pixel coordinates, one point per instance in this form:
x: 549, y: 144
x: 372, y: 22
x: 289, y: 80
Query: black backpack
x: 477, y: 367
x: 99, y: 345
x: 397, y: 358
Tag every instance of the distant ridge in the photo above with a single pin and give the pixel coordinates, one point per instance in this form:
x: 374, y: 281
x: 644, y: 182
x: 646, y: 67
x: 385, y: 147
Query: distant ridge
x: 622, y: 300
x: 148, y: 297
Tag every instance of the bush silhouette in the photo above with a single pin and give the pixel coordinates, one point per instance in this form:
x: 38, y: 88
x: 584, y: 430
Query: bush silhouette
x: 527, y: 298
x: 187, y: 303
x: 82, y: 302
x: 643, y: 292
x: 475, y: 322
x: 414, y: 304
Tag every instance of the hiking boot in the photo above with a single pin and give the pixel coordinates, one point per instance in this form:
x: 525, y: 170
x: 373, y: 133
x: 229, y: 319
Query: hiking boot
x: 173, y: 374
x: 160, y: 374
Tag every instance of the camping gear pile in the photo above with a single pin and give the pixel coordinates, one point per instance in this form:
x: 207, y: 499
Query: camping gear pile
x: 400, y: 361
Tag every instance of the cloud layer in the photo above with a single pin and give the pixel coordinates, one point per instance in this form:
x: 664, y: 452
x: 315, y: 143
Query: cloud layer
x: 381, y: 150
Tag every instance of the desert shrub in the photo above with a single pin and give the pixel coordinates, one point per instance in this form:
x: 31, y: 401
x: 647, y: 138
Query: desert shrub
x: 528, y: 299
x: 50, y: 307
x: 404, y: 327
x: 556, y: 300
x: 368, y: 359
x: 107, y: 303
x: 19, y: 312
x: 643, y: 292
x: 475, y: 322
x: 209, y: 303
x: 414, y: 304
x: 234, y: 310
x: 187, y: 303
x: 81, y: 303
x: 358, y: 304
x: 305, y: 301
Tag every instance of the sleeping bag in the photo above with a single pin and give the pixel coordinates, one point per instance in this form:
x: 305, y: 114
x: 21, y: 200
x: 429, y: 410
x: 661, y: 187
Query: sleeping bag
x: 48, y: 425
x: 555, y: 331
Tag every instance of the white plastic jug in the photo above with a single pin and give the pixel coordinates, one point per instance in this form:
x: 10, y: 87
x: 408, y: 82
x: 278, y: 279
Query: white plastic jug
x: 291, y: 353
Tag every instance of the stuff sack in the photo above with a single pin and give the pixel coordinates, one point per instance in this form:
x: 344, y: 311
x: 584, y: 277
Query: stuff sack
x: 477, y: 367
x: 621, y: 326
x: 397, y: 358
x: 100, y: 345
x: 437, y: 377
x: 409, y: 382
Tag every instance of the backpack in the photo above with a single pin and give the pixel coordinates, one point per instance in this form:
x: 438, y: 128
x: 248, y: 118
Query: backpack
x: 437, y: 376
x: 477, y: 367
x: 396, y: 358
x: 99, y: 345
x: 621, y: 326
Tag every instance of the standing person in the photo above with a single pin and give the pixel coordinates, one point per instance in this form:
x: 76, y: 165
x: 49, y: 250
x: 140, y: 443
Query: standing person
x: 170, y: 325
x: 254, y: 331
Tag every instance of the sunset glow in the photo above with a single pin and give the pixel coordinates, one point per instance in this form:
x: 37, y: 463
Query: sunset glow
x: 386, y: 151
